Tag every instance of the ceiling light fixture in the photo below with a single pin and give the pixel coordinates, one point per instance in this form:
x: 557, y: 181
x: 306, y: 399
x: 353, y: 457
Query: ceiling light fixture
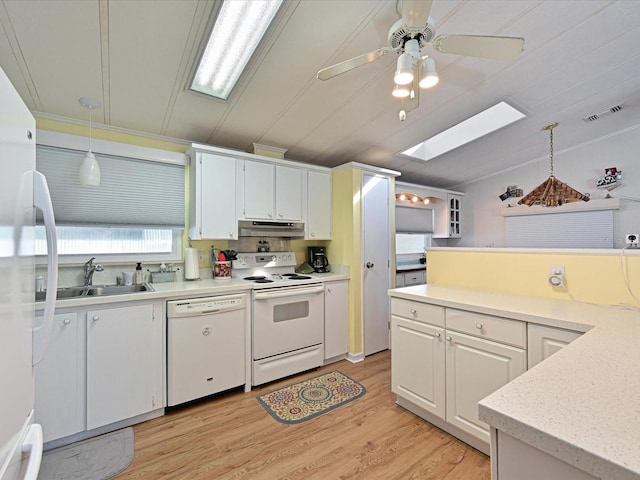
x: 552, y: 192
x: 401, y: 91
x: 235, y: 35
x: 493, y: 118
x: 412, y: 198
x: 404, y: 73
x: 89, y: 173
x: 429, y: 74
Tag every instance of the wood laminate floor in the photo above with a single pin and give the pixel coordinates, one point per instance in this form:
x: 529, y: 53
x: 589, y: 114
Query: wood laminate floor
x: 233, y: 437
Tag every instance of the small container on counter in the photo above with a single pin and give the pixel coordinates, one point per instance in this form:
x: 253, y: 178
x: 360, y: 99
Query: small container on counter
x: 139, y: 277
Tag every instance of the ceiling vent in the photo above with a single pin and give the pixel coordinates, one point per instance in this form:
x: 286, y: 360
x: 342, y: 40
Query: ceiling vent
x: 599, y: 115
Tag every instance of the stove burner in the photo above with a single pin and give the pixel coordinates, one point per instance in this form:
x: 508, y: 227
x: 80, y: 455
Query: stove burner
x: 263, y: 280
x: 255, y: 277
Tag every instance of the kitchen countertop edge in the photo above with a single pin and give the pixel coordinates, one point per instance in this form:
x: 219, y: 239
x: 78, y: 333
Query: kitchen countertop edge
x: 169, y: 290
x: 578, y: 405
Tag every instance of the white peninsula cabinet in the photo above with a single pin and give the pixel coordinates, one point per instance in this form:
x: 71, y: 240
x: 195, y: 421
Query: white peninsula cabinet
x: 104, y: 365
x: 272, y: 192
x: 444, y: 361
x: 544, y: 341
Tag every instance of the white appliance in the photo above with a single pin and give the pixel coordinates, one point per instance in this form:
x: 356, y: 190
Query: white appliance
x: 22, y: 343
x: 287, y: 327
x: 205, y: 346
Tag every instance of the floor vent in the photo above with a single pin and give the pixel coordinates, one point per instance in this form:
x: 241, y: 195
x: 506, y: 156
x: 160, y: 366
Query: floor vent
x: 609, y: 111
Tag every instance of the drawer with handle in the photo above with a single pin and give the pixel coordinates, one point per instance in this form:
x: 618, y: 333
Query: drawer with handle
x: 503, y: 330
x: 422, y: 312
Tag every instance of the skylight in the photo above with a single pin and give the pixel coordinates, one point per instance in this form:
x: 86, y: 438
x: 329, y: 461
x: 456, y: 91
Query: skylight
x: 493, y: 118
x: 239, y: 28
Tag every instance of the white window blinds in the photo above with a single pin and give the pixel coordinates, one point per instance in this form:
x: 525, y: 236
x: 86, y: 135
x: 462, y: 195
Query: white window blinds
x: 131, y: 193
x: 591, y: 229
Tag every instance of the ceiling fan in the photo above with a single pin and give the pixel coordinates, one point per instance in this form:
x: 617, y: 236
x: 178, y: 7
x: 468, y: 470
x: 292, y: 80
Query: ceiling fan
x: 413, y: 31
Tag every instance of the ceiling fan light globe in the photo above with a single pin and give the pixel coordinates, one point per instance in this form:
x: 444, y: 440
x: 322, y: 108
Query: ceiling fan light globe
x: 429, y: 81
x: 429, y: 74
x: 404, y: 72
x: 401, y: 91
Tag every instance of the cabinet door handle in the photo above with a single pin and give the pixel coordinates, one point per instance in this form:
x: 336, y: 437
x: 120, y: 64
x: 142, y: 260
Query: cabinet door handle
x: 479, y: 326
x: 280, y: 215
x: 328, y: 290
x: 270, y: 215
x: 95, y: 318
x: 66, y: 321
x: 448, y: 338
x: 437, y: 335
x: 413, y: 311
x: 369, y: 265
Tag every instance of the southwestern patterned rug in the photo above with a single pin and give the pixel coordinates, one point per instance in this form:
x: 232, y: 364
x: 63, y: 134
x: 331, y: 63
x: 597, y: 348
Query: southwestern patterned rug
x: 310, y: 398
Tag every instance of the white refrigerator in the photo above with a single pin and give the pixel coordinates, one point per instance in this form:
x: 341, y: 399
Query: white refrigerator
x: 22, y: 343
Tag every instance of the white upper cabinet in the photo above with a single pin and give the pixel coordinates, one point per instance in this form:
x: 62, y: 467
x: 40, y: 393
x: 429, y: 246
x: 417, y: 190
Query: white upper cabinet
x: 318, y: 225
x: 212, y: 205
x: 272, y: 192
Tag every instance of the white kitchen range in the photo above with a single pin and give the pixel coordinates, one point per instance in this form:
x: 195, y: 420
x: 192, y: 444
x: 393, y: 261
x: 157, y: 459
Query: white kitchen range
x: 288, y: 315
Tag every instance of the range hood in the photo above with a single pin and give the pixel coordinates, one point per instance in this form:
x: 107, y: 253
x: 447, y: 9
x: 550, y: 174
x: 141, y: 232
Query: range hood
x: 257, y: 228
x: 414, y: 220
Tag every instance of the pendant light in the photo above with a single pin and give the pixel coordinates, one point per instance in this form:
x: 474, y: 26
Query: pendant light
x: 552, y: 192
x: 89, y: 173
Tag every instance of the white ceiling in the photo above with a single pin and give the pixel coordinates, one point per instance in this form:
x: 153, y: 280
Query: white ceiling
x: 581, y: 57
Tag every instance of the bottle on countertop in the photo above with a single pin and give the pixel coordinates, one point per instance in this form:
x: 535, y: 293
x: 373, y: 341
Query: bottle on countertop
x: 139, y: 276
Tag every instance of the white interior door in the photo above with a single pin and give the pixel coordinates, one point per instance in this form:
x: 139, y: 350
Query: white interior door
x: 375, y: 256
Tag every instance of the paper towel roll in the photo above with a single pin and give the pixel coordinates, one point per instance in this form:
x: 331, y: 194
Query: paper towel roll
x: 191, y: 267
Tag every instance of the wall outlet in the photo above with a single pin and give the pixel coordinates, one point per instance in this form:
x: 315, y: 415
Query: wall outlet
x: 200, y: 257
x: 556, y: 276
x: 632, y: 239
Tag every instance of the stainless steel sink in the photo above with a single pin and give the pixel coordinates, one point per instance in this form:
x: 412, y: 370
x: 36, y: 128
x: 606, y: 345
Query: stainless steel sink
x: 116, y: 289
x: 95, y: 290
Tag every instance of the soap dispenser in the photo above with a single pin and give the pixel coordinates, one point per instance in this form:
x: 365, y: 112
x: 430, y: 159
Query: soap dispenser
x: 139, y: 278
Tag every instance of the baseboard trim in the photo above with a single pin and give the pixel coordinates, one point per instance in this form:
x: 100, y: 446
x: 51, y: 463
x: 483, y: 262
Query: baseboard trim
x: 355, y: 357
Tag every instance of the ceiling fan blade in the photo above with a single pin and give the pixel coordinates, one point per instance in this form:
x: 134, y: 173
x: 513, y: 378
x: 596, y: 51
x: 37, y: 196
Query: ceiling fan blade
x: 415, y: 13
x: 497, y: 48
x: 343, y: 67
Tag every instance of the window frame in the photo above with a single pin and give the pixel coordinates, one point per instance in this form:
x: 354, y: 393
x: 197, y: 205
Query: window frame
x: 74, y: 142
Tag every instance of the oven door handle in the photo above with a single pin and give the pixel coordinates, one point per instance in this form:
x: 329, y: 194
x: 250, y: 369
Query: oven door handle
x: 288, y: 292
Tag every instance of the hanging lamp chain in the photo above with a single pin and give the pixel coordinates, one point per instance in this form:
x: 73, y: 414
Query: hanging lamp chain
x: 550, y: 147
x: 550, y: 128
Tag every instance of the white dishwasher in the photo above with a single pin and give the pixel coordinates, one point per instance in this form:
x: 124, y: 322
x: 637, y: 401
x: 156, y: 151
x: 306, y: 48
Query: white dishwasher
x: 205, y: 346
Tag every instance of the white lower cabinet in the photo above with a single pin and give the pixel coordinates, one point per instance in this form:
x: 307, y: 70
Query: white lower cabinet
x: 476, y: 368
x: 544, y: 341
x: 59, y: 381
x: 515, y: 460
x: 446, y: 372
x: 124, y: 363
x: 417, y: 366
x: 103, y: 365
x: 336, y: 319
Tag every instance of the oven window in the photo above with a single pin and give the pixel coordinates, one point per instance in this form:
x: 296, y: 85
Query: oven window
x: 290, y: 311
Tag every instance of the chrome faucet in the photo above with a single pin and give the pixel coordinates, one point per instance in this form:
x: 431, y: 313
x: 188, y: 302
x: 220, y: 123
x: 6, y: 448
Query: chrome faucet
x: 89, y: 270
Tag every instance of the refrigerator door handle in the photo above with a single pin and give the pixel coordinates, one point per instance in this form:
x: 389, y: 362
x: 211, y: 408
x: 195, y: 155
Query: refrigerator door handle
x: 33, y: 446
x: 42, y: 200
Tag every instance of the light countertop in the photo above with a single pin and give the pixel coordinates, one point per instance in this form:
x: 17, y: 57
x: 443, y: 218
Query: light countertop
x: 581, y: 405
x: 169, y: 290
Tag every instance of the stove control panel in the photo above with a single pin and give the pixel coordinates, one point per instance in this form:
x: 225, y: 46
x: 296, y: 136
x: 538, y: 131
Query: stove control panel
x: 264, y: 260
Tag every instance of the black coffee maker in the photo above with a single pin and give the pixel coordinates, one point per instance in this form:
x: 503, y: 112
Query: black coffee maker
x: 318, y: 260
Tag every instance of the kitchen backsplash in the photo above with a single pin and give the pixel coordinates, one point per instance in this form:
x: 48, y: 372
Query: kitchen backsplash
x: 73, y: 275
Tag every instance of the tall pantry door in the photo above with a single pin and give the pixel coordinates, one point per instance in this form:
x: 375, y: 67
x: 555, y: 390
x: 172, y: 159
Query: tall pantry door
x: 376, y: 266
